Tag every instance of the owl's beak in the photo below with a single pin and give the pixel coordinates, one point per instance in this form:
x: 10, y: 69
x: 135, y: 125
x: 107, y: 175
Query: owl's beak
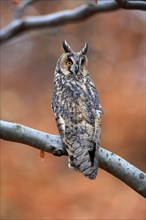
x: 75, y: 69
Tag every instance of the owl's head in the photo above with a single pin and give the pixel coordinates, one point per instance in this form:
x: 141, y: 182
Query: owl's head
x: 73, y: 64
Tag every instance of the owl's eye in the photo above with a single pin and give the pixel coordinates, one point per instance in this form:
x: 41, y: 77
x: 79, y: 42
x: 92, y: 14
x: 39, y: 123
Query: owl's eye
x: 68, y: 62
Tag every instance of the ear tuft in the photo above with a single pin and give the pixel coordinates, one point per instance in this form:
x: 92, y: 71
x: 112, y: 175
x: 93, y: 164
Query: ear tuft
x: 85, y: 49
x: 66, y: 47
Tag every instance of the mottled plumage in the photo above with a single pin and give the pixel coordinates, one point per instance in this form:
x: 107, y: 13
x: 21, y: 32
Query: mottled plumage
x: 77, y: 111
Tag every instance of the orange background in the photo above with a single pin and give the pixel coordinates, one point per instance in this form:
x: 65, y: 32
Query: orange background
x: 32, y: 189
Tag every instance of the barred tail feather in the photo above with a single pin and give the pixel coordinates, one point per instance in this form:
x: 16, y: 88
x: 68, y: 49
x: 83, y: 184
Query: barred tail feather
x: 84, y: 160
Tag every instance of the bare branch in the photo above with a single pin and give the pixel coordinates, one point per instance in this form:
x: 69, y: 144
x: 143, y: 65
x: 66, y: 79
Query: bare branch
x: 132, y: 4
x: 64, y: 17
x: 22, y: 7
x: 40, y: 140
x: 55, y: 19
x: 108, y: 161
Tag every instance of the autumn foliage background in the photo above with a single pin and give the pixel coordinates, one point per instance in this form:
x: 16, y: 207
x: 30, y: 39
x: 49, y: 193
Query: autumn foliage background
x: 36, y: 189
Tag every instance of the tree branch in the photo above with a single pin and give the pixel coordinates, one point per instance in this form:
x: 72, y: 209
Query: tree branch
x: 63, y: 17
x: 18, y: 133
x: 55, y: 19
x: 108, y: 161
x: 24, y: 3
x: 132, y: 4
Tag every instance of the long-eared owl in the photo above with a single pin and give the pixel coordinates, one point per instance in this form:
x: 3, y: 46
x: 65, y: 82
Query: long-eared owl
x: 77, y: 110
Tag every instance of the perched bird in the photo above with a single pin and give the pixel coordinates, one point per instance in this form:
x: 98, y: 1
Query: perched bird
x: 77, y: 110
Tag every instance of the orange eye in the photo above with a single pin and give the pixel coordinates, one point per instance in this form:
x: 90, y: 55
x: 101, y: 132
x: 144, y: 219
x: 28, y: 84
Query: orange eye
x: 69, y: 63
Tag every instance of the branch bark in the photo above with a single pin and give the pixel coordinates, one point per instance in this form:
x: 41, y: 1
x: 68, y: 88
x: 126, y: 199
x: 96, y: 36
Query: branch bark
x: 81, y: 13
x: 132, y: 4
x: 78, y: 14
x: 24, y: 3
x: 55, y: 19
x: 108, y: 161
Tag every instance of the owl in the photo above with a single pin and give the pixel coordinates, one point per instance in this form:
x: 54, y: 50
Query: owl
x: 77, y: 110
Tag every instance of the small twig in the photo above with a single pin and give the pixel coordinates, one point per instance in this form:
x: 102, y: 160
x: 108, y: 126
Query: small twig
x: 108, y: 161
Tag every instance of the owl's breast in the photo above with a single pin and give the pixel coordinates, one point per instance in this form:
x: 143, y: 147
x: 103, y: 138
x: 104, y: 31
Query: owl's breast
x: 71, y: 91
x: 76, y: 105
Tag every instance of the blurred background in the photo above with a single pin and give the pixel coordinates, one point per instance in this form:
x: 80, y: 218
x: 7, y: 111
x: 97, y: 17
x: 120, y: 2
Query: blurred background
x: 36, y: 189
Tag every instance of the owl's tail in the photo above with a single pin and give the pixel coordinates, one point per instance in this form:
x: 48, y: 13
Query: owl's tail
x: 85, y: 161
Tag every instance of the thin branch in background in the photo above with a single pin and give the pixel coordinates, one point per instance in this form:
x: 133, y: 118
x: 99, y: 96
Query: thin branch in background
x: 132, y: 4
x: 55, y: 19
x: 108, y: 161
x: 24, y: 3
x: 64, y: 17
